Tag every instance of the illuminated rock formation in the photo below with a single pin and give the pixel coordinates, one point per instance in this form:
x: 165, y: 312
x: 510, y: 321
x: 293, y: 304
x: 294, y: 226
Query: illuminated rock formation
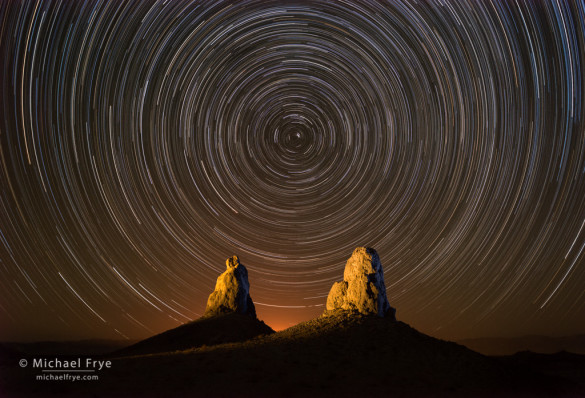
x: 232, y: 291
x: 362, y: 289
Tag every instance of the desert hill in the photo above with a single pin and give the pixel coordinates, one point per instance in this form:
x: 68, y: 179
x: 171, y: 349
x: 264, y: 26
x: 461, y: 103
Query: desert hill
x: 78, y: 347
x: 356, y: 348
x: 340, y: 355
x: 209, y: 331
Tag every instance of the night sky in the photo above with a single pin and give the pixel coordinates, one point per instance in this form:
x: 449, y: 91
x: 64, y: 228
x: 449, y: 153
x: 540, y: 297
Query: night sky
x: 142, y: 143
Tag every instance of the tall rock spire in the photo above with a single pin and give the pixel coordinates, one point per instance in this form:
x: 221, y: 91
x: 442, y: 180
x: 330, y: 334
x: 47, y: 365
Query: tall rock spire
x: 362, y: 289
x: 232, y: 291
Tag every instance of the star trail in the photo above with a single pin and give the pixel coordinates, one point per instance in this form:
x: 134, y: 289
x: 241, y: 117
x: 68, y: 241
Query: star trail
x: 142, y: 143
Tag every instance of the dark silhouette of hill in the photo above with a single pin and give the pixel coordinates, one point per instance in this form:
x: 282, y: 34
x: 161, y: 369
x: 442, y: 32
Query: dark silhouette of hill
x: 565, y: 365
x: 335, y: 356
x: 356, y: 349
x: 211, y: 330
x: 8, y: 352
x: 540, y: 344
x: 79, y: 347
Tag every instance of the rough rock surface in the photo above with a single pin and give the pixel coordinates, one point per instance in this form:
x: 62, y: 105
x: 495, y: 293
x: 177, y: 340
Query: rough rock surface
x: 362, y: 289
x: 232, y: 291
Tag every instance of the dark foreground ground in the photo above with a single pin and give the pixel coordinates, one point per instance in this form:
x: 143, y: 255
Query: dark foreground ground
x: 336, y: 356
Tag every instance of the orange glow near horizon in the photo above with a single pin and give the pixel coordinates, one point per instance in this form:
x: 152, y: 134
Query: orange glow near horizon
x: 283, y: 318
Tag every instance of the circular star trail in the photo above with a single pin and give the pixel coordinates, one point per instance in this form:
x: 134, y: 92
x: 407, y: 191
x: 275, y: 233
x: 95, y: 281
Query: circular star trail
x: 142, y: 143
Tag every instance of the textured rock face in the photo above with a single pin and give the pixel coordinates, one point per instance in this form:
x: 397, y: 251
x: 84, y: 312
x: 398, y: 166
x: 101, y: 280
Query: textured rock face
x: 362, y: 289
x: 232, y: 291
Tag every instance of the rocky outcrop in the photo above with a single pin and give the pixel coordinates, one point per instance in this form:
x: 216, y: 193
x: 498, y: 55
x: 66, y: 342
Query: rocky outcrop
x: 232, y: 291
x: 362, y: 289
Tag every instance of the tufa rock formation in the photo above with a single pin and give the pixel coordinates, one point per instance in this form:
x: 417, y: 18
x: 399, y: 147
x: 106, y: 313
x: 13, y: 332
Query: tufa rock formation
x: 229, y: 317
x: 362, y: 289
x: 232, y: 291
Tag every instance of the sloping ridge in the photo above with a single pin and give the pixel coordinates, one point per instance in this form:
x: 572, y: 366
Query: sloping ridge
x: 344, y: 354
x: 348, y: 351
x: 373, y: 349
x: 340, y: 355
x: 210, y: 330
